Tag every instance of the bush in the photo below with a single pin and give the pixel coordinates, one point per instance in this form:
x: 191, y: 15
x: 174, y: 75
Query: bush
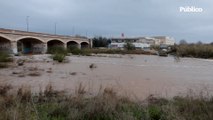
x: 118, y: 51
x: 58, y: 53
x: 195, y: 50
x: 71, y: 48
x: 57, y: 50
x: 77, y: 51
x: 129, y: 46
x: 59, y: 57
x: 4, y: 59
x: 155, y: 112
x: 155, y: 47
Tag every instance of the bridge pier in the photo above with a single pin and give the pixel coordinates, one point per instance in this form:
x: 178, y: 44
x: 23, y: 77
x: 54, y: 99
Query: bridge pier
x: 79, y: 46
x: 65, y: 46
x: 14, y: 47
x: 45, y: 48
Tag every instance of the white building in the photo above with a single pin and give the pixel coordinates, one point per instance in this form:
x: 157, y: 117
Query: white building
x: 141, y: 42
x: 120, y: 43
x: 164, y: 40
x: 137, y: 45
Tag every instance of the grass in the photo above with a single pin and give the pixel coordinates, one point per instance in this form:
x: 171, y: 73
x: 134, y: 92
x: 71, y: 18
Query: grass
x: 117, y: 51
x: 59, y: 52
x: 195, y: 50
x: 88, y: 52
x: 77, y: 51
x: 105, y: 105
x: 5, y: 58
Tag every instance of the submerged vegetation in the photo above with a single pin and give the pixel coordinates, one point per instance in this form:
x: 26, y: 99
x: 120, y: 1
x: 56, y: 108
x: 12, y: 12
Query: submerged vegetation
x: 58, y: 53
x: 105, y: 105
x: 5, y: 58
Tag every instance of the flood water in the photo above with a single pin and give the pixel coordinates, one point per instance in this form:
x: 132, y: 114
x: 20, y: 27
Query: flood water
x: 134, y: 75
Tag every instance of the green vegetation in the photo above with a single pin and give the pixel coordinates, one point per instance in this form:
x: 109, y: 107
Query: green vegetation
x: 58, y: 53
x: 100, y: 42
x: 195, y: 50
x: 57, y: 50
x: 105, y: 105
x: 88, y: 52
x: 129, y: 46
x: 59, y: 57
x: 4, y: 59
x: 117, y: 51
x: 155, y: 47
x: 77, y: 51
x: 109, y: 51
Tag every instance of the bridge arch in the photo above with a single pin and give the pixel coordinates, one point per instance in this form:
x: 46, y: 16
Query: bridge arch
x: 84, y: 45
x: 5, y: 44
x: 30, y: 37
x: 30, y: 45
x: 55, y: 43
x: 55, y: 39
x: 6, y: 37
x: 72, y: 44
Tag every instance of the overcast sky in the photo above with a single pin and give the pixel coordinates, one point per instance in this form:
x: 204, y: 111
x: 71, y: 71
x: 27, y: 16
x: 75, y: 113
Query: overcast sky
x: 110, y: 18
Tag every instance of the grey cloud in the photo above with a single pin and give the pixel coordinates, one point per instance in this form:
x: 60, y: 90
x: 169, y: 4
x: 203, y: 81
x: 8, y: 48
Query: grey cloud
x: 111, y: 17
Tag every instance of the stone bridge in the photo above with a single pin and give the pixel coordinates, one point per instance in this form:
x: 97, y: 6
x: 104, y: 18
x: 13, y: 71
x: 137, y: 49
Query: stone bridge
x: 15, y: 41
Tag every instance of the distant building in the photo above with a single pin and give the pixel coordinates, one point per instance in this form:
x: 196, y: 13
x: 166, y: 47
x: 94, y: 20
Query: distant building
x: 141, y: 42
x: 148, y: 40
x: 120, y: 42
x: 164, y: 40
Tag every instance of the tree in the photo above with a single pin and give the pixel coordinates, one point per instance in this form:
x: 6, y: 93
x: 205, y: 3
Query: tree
x: 183, y: 42
x: 100, y: 42
x: 199, y: 43
x: 129, y: 46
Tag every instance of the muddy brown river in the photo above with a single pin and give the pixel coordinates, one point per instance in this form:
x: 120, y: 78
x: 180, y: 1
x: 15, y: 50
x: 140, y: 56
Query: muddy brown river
x: 133, y: 75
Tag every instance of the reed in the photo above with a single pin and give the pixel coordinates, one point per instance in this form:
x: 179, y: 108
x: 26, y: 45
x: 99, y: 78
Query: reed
x: 51, y: 104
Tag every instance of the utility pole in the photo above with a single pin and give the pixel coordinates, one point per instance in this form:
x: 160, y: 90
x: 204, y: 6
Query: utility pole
x: 27, y: 20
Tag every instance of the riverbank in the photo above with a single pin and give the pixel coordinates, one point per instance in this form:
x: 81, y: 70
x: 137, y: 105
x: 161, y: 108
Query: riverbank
x: 204, y: 51
x: 195, y: 50
x: 105, y: 105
